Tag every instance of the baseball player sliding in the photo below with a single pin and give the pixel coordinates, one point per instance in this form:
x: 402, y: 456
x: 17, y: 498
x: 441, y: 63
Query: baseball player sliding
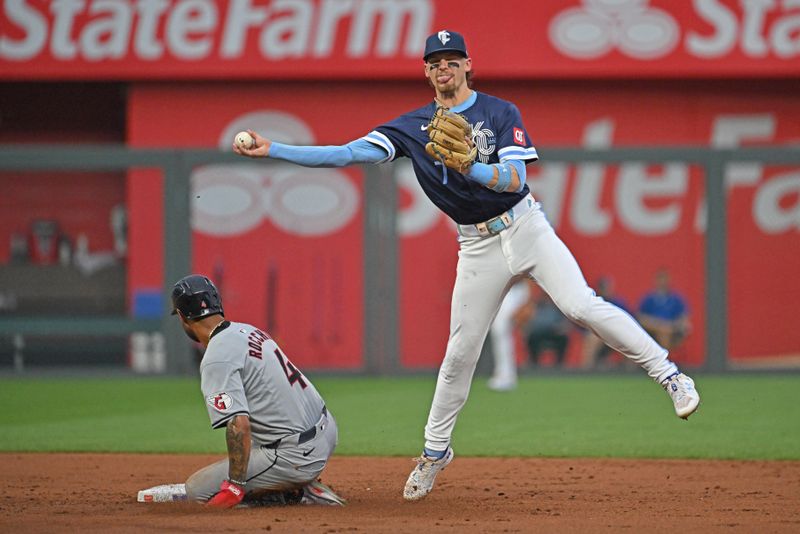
x: 469, y: 152
x: 278, y: 430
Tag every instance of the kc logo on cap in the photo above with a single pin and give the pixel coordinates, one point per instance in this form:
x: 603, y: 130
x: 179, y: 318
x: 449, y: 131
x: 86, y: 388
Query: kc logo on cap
x: 445, y: 41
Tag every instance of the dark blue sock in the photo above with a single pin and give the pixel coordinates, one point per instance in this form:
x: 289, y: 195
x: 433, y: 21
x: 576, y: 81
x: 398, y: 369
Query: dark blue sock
x: 433, y: 454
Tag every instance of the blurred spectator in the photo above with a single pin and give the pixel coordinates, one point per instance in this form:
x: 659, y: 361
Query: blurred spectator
x: 513, y: 313
x: 547, y: 329
x: 44, y: 237
x: 595, y: 352
x: 19, y: 248
x: 664, y: 314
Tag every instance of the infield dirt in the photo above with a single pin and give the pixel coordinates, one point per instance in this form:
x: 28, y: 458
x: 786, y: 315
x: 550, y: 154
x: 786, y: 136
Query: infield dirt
x: 97, y: 493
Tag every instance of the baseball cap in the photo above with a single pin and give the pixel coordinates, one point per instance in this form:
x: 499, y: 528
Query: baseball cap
x: 445, y: 41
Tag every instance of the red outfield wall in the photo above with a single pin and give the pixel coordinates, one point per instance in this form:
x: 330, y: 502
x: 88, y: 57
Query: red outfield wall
x: 624, y: 221
x: 294, y: 267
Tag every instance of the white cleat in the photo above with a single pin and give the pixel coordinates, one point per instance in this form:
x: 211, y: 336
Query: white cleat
x: 683, y: 393
x: 420, y: 481
x: 318, y: 493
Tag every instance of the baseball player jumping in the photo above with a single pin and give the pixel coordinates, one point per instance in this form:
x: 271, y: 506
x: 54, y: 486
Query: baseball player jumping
x: 279, y: 432
x: 469, y: 152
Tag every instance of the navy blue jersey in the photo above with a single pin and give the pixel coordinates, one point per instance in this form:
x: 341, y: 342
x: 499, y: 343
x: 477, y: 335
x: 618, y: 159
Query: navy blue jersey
x: 499, y: 136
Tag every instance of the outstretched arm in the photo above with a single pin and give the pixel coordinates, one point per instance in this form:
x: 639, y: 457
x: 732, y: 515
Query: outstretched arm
x: 358, y: 151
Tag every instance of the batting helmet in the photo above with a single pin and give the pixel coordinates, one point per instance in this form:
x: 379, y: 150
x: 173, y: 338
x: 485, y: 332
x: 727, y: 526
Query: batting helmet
x: 195, y: 296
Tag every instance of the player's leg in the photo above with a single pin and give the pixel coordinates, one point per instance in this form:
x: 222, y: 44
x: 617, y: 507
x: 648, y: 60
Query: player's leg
x: 540, y: 252
x: 303, y: 465
x: 270, y: 469
x: 481, y: 278
x: 204, y: 483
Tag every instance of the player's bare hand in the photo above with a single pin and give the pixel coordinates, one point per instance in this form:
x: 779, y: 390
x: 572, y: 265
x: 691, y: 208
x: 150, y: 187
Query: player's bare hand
x: 258, y: 149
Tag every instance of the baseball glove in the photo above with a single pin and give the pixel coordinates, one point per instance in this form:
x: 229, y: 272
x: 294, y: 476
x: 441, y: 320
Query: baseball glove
x: 451, y: 140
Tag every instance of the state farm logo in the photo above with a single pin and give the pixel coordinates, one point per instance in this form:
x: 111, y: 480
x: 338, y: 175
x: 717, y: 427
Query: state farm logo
x: 633, y: 27
x: 711, y: 29
x: 195, y: 30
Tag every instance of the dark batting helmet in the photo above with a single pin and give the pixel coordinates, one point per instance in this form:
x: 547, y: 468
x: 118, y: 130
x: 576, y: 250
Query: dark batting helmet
x: 195, y: 296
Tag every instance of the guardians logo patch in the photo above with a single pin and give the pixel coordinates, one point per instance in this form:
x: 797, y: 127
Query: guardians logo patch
x: 220, y: 402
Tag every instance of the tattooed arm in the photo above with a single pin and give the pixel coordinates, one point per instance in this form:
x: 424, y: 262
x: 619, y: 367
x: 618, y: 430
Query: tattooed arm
x: 231, y: 491
x: 237, y: 436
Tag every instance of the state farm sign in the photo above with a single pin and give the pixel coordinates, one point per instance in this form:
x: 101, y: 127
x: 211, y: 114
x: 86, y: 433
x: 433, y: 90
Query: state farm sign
x: 192, y: 30
x: 369, y: 39
x: 642, y: 31
x: 106, y: 34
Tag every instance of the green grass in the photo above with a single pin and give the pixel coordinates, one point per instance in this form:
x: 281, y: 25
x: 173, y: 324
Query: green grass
x: 742, y: 417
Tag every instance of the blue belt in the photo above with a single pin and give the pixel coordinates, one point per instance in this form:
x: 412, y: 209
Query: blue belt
x: 497, y: 224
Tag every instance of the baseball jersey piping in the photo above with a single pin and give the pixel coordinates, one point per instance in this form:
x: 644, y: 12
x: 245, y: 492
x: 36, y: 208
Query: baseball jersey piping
x: 223, y: 422
x: 377, y: 138
x: 466, y: 104
x: 265, y: 470
x: 518, y: 153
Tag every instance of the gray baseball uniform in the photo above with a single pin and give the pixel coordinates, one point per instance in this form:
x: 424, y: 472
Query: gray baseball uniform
x: 244, y: 372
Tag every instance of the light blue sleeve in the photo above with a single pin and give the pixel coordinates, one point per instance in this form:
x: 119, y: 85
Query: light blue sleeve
x: 483, y: 173
x: 358, y: 151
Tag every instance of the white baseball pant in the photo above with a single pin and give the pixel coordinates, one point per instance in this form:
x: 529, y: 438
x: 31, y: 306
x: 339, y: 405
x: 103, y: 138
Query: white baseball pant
x: 485, y: 266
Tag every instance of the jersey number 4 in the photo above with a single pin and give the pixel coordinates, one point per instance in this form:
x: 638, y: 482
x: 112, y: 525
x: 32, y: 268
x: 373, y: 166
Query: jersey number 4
x: 292, y: 373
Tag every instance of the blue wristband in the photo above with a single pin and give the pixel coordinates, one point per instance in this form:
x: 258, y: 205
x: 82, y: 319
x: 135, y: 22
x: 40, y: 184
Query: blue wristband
x: 481, y: 173
x: 503, y: 178
x: 484, y: 174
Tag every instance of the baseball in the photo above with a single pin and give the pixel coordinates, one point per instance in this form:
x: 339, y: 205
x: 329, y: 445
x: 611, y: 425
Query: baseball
x: 244, y: 140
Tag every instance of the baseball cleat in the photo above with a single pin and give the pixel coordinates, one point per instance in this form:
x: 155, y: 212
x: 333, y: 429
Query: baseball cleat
x: 683, y: 393
x: 318, y: 493
x: 420, y: 481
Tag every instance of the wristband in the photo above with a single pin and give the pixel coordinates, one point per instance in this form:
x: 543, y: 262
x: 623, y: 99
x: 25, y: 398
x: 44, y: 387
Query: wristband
x: 503, y: 178
x: 484, y: 174
x: 481, y: 173
x: 237, y: 482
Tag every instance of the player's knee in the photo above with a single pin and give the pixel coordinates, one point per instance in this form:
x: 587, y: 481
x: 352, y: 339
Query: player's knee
x: 195, y: 490
x: 575, y: 308
x: 462, y: 353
